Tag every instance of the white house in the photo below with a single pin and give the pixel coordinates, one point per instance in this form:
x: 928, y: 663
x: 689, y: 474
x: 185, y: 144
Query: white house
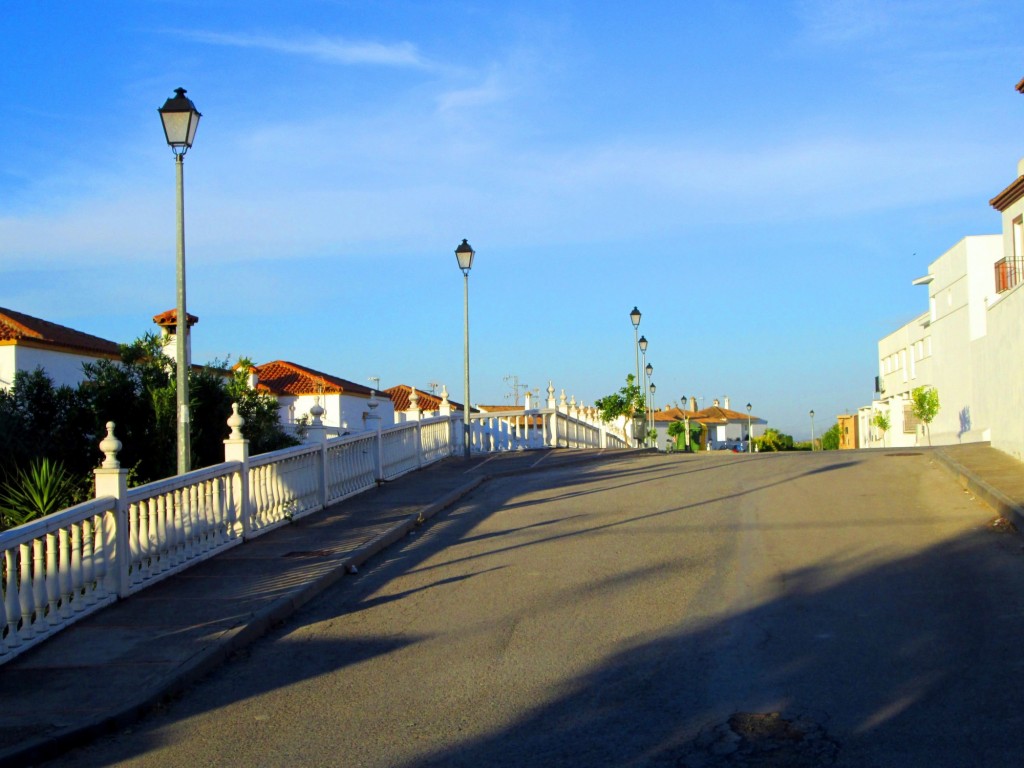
x: 27, y: 343
x: 346, y: 405
x: 968, y: 344
x: 725, y: 429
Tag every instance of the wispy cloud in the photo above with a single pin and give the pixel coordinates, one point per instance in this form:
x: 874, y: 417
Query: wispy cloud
x: 331, y: 49
x: 488, y: 92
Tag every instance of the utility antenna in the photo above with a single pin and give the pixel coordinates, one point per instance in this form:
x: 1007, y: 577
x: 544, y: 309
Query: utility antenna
x: 376, y: 382
x: 513, y: 381
x: 433, y: 386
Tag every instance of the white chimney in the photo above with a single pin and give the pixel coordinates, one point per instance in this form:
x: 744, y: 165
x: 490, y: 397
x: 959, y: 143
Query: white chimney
x: 727, y: 402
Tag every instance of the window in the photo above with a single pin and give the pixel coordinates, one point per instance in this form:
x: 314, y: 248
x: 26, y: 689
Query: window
x: 910, y: 421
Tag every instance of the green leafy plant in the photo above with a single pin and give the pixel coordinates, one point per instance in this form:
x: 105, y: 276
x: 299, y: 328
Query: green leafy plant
x: 925, y: 407
x: 830, y: 439
x: 45, y: 487
x: 880, y: 421
x: 628, y: 403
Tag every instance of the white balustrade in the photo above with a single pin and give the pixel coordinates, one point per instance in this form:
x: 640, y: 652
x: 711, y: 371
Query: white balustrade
x: 55, y: 570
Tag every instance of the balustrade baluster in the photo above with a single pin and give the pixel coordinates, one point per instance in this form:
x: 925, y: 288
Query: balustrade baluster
x: 64, y: 572
x: 38, y: 583
x: 12, y: 609
x: 77, y: 580
x: 48, y: 560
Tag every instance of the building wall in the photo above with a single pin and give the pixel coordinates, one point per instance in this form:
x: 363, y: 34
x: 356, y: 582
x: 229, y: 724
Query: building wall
x: 350, y: 410
x: 63, y: 368
x: 1001, y: 368
x: 963, y: 281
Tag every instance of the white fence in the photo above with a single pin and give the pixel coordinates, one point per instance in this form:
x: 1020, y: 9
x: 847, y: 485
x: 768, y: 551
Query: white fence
x: 67, y: 565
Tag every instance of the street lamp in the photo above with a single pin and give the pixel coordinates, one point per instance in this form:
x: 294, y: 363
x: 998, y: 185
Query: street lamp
x: 181, y: 118
x: 642, y: 382
x: 464, y: 255
x: 651, y: 409
x: 634, y: 317
x: 749, y: 434
x: 649, y: 371
x: 812, y: 430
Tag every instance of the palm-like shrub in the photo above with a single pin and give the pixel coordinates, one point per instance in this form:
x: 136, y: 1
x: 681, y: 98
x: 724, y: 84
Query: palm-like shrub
x: 30, y: 494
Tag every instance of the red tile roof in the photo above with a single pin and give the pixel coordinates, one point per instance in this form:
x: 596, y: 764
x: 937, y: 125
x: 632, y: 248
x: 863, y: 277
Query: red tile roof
x: 169, y: 319
x: 283, y: 378
x: 712, y: 415
x: 1008, y: 196
x: 399, y: 395
x: 19, y: 328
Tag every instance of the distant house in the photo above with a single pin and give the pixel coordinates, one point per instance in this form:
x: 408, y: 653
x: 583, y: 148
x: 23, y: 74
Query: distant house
x: 725, y: 429
x: 298, y: 388
x: 27, y: 343
x: 428, y: 404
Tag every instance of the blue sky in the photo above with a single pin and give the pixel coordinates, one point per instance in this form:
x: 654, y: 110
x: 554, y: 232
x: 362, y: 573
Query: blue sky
x: 763, y: 180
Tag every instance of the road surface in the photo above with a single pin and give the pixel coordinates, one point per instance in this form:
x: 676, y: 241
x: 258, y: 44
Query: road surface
x: 848, y: 609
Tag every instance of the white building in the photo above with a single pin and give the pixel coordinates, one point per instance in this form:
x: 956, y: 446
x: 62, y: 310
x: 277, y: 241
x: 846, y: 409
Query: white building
x: 346, y: 405
x: 27, y: 343
x: 968, y: 345
x: 725, y: 429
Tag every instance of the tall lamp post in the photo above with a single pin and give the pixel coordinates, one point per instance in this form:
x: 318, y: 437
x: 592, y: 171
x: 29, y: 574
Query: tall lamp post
x: 812, y: 430
x: 641, y: 380
x: 634, y: 317
x: 750, y: 435
x: 651, y: 427
x: 464, y: 254
x: 181, y: 118
x: 649, y: 371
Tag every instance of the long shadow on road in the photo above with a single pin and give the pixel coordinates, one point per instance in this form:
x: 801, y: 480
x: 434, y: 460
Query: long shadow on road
x: 830, y: 672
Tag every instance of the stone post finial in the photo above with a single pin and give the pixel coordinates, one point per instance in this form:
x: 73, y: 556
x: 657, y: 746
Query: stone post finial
x: 561, y: 400
x: 110, y: 445
x: 236, y: 422
x: 414, y: 399
x: 316, y: 412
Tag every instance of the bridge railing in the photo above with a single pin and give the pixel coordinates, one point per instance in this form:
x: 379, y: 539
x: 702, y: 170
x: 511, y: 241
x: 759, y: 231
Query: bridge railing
x: 60, y: 568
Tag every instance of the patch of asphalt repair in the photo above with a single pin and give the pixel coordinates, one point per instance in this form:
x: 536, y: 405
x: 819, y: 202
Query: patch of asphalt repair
x: 762, y: 740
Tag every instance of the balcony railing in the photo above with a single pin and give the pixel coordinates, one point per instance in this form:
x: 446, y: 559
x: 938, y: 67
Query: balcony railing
x: 1009, y: 272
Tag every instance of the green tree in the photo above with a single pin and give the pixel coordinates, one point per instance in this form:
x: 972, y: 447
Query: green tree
x: 39, y: 420
x: 925, y: 407
x: 138, y: 395
x: 772, y: 440
x: 830, y: 439
x: 880, y: 420
x: 628, y: 402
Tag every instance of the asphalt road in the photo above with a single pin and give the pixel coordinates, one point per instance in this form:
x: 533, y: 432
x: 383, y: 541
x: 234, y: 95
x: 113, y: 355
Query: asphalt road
x: 849, y: 609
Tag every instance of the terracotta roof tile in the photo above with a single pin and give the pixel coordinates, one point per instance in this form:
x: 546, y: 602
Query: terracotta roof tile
x: 17, y: 327
x: 399, y: 395
x: 169, y: 319
x: 283, y: 378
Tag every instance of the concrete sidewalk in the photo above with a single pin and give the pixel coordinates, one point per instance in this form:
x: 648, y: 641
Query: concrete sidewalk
x: 109, y: 669
x: 993, y: 476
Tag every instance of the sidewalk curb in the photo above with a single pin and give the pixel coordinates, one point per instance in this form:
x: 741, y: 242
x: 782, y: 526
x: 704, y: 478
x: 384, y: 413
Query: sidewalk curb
x: 235, y: 639
x: 994, y: 498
